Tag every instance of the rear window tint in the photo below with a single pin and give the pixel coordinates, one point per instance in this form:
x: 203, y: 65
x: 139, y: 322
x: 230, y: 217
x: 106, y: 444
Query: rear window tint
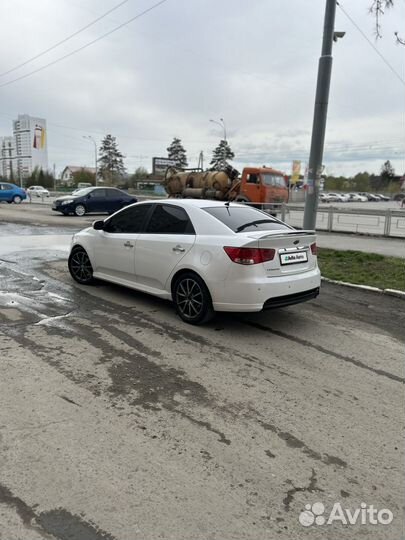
x: 247, y: 219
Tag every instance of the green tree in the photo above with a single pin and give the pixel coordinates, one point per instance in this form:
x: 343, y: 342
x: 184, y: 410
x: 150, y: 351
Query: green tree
x: 337, y: 183
x: 387, y: 173
x: 221, y: 155
x: 41, y: 178
x: 111, y: 161
x: 140, y: 174
x: 176, y: 152
x: 361, y: 182
x: 84, y: 175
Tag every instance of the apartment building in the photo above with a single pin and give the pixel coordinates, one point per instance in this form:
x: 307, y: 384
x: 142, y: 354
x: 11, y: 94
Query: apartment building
x: 26, y: 149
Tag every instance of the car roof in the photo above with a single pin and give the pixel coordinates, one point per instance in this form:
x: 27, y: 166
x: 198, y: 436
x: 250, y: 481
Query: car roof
x: 99, y: 187
x: 196, y: 203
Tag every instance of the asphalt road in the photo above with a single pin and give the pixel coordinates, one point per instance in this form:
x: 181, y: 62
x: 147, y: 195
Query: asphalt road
x: 119, y: 422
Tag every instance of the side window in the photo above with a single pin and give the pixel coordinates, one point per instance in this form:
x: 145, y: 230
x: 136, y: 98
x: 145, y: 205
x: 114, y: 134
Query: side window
x: 167, y: 219
x: 113, y: 193
x: 252, y: 178
x: 281, y: 182
x: 130, y: 220
x: 97, y: 193
x: 6, y: 187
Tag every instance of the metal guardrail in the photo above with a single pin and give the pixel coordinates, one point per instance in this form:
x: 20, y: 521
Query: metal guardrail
x: 389, y: 222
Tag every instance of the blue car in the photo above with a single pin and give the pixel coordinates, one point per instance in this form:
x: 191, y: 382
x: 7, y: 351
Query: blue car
x: 95, y: 199
x: 11, y: 193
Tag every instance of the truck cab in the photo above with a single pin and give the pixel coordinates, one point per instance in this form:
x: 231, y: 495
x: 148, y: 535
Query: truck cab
x: 263, y: 185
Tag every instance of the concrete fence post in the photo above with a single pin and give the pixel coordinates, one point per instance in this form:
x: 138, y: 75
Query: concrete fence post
x: 387, y: 223
x: 330, y: 219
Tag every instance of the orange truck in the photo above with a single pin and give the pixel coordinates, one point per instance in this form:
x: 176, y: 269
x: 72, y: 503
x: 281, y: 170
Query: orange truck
x: 258, y: 185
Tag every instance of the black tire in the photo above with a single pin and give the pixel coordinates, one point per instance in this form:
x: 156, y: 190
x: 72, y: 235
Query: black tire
x: 17, y: 199
x: 80, y: 210
x: 80, y: 266
x: 192, y: 299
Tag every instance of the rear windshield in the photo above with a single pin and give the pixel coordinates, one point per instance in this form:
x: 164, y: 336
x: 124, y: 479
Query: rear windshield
x: 240, y: 219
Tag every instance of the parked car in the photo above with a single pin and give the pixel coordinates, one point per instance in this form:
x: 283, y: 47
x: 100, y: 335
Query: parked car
x: 37, y: 191
x: 355, y: 197
x: 399, y: 196
x: 204, y: 255
x: 100, y: 200
x: 383, y: 197
x: 369, y: 196
x: 325, y: 197
x: 11, y: 193
x: 339, y: 197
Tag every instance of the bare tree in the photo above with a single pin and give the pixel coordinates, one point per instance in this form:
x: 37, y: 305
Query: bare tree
x: 400, y: 40
x: 377, y: 8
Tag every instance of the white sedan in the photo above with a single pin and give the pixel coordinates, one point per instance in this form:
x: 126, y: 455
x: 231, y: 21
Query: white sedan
x: 204, y: 255
x: 355, y: 197
x: 339, y: 197
x: 37, y: 191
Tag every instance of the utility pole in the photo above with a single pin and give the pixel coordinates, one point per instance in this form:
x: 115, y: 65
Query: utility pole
x: 54, y: 177
x: 320, y: 115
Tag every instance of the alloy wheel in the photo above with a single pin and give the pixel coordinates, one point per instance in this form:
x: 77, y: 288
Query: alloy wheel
x: 189, y: 298
x: 80, y: 266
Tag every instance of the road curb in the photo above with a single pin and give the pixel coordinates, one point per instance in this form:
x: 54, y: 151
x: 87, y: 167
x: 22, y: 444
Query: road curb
x: 389, y: 292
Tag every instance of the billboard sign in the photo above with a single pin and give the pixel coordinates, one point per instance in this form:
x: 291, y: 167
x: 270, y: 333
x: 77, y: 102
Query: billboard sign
x: 39, y: 143
x: 296, y: 170
x: 159, y: 165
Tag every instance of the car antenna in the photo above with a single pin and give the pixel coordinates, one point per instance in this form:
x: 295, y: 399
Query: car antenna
x: 227, y: 207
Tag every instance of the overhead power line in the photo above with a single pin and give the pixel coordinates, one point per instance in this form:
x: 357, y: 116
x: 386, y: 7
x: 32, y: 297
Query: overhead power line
x: 125, y: 23
x: 67, y: 38
x: 372, y: 44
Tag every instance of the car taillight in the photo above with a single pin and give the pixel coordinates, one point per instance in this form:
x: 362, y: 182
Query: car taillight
x: 249, y: 255
x: 314, y: 249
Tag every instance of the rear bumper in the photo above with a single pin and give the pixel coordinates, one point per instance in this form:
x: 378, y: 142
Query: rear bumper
x: 266, y: 293
x: 291, y: 299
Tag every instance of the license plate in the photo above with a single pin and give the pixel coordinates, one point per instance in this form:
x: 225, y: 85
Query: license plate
x: 294, y: 257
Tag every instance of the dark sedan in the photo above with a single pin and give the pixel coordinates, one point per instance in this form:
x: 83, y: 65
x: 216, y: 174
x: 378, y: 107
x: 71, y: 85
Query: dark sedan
x: 95, y: 199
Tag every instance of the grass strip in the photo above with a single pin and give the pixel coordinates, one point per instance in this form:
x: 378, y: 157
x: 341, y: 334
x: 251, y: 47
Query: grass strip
x: 362, y: 268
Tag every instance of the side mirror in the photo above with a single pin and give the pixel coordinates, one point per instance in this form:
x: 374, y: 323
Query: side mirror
x: 98, y: 225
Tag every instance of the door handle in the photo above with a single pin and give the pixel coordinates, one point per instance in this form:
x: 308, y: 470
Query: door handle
x: 128, y: 244
x: 179, y: 249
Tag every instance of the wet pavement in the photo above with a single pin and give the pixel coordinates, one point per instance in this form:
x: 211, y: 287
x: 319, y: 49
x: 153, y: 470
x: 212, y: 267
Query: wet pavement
x: 117, y: 421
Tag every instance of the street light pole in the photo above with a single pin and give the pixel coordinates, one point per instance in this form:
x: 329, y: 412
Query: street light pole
x: 90, y: 138
x: 320, y: 115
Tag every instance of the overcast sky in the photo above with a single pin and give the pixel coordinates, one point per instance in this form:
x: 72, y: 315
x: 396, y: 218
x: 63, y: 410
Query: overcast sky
x: 188, y: 61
